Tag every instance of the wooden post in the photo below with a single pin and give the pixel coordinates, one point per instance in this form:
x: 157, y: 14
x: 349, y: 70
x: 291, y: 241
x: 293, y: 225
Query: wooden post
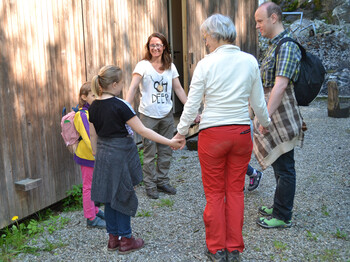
x: 335, y: 108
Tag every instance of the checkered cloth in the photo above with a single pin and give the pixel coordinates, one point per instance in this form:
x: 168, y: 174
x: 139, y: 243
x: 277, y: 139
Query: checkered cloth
x: 285, y: 130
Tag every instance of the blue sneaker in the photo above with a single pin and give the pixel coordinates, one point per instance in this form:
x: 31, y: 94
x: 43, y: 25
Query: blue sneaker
x: 96, y: 223
x: 101, y: 214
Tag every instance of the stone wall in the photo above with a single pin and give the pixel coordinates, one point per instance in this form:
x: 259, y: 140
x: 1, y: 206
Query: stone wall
x: 330, y: 42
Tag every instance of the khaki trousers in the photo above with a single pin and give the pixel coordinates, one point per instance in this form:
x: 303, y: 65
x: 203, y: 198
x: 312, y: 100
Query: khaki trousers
x: 155, y: 169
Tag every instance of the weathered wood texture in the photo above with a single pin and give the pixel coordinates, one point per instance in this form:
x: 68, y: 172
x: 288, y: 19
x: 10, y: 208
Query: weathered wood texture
x: 336, y: 108
x: 240, y: 11
x: 47, y: 50
x: 41, y: 70
x: 116, y: 33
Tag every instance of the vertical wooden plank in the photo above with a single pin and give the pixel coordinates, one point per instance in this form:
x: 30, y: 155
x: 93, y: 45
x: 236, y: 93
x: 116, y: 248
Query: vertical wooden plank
x: 42, y: 45
x: 28, y: 108
x: 5, y: 200
x: 14, y: 113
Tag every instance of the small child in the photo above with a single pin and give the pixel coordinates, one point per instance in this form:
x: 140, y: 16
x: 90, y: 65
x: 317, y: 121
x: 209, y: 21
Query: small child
x: 83, y: 156
x: 117, y: 167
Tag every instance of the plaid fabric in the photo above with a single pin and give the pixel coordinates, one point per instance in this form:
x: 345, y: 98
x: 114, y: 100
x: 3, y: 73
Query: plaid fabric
x: 285, y: 130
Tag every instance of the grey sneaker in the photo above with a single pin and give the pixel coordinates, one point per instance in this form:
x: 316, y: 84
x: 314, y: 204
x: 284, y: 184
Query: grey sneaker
x: 101, y: 214
x: 254, y: 181
x: 96, y: 223
x: 233, y: 256
x: 219, y: 256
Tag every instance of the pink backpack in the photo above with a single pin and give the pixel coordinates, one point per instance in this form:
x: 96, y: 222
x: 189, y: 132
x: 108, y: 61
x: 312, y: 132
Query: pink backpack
x: 69, y: 133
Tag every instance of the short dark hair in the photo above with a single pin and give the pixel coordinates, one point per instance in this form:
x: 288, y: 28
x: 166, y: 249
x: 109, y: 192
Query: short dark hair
x: 273, y: 8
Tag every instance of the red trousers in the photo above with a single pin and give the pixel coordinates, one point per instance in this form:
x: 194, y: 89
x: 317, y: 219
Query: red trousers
x: 224, y: 154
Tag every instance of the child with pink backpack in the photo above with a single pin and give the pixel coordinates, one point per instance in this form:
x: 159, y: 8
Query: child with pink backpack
x: 83, y: 156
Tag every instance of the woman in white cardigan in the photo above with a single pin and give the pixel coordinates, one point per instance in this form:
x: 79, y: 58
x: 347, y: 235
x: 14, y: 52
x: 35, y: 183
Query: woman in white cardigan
x: 224, y: 80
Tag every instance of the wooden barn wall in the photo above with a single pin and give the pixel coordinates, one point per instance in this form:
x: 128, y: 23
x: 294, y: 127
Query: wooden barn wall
x: 41, y: 69
x: 240, y: 11
x: 48, y: 49
x: 117, y: 31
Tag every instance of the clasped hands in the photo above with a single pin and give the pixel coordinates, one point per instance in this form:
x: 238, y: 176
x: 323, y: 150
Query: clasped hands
x: 178, y: 142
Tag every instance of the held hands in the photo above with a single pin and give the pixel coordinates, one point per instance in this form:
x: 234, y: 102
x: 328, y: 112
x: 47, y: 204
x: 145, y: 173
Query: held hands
x: 178, y: 142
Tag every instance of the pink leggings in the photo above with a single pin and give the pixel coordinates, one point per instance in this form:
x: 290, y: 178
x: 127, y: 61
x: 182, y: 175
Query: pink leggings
x: 224, y: 154
x: 90, y: 210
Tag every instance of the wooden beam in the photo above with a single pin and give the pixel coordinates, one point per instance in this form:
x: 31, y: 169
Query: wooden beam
x: 28, y: 184
x: 335, y: 107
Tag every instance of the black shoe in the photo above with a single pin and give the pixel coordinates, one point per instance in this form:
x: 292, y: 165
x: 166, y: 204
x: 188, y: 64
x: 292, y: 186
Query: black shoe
x: 219, y: 256
x: 152, y: 193
x: 233, y: 256
x: 168, y: 189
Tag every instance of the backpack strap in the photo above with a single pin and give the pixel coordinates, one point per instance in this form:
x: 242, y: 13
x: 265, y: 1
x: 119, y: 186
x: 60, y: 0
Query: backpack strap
x: 282, y: 41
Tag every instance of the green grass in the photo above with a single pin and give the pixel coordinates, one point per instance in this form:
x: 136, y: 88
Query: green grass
x: 324, y: 210
x: 278, y: 245
x: 341, y: 235
x: 164, y: 202
x: 144, y: 213
x: 14, y: 239
x: 311, y: 236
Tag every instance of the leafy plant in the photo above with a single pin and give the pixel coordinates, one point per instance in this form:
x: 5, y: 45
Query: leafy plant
x: 279, y: 245
x: 166, y: 202
x: 144, y: 213
x: 14, y: 239
x: 341, y: 235
x: 34, y: 227
x: 324, y: 210
x: 310, y: 236
x: 74, y: 199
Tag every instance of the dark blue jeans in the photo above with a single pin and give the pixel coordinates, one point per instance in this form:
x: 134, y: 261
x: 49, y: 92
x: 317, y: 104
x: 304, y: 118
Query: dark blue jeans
x: 117, y: 223
x: 284, y: 168
x: 250, y: 170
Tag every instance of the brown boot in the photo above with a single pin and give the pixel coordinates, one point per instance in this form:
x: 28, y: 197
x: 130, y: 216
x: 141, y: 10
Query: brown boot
x: 128, y: 245
x: 113, y: 243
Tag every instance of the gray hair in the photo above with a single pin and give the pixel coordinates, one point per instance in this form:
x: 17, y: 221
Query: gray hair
x: 219, y: 27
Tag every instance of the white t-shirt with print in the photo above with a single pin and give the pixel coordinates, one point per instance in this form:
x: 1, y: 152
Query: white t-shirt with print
x: 156, y: 89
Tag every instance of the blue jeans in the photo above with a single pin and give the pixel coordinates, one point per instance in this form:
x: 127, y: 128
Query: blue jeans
x: 250, y: 170
x: 284, y: 168
x: 117, y: 223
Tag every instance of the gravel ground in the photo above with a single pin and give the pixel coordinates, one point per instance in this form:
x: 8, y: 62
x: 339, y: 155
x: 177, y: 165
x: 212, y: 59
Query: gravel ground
x: 173, y: 228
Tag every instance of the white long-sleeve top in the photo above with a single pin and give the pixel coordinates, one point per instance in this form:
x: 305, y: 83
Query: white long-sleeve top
x: 225, y: 80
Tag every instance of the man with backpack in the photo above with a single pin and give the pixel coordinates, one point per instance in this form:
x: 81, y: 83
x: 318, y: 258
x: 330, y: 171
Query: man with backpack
x: 275, y: 145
